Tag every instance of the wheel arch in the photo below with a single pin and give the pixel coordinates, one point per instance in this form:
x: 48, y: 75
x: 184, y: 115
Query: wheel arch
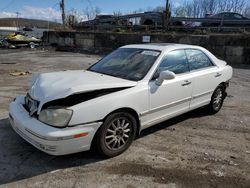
x: 224, y: 86
x: 130, y: 111
x: 124, y: 109
x: 148, y: 21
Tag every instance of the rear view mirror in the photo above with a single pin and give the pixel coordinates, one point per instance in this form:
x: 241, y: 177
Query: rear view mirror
x: 164, y: 75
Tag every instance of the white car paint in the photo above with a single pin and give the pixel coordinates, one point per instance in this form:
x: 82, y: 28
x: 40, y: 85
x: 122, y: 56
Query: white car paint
x: 51, y: 140
x: 170, y: 93
x: 151, y: 103
x: 50, y: 86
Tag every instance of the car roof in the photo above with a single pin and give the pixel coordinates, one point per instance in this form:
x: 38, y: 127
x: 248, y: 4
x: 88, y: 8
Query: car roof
x: 222, y: 13
x: 161, y: 46
x: 174, y: 46
x: 228, y: 13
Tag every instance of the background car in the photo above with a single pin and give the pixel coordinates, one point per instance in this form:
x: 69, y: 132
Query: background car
x: 226, y: 16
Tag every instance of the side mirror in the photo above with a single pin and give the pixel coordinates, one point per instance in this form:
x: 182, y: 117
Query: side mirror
x: 164, y: 75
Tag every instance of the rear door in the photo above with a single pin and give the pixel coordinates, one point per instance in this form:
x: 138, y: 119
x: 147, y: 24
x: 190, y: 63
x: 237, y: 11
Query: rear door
x: 206, y: 77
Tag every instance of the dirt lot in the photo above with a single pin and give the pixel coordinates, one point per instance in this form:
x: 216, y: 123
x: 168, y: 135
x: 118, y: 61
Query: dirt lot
x: 193, y: 150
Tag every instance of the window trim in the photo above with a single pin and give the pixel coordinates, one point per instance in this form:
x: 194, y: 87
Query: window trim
x: 214, y: 65
x: 195, y: 70
x: 163, y: 58
x: 241, y: 17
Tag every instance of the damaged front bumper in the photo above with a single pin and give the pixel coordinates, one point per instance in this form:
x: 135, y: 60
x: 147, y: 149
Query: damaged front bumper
x: 51, y: 140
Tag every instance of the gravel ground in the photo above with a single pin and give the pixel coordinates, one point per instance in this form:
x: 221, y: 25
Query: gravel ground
x: 192, y: 150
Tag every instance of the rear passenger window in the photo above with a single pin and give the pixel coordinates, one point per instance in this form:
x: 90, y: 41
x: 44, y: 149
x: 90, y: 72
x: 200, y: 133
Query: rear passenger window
x: 175, y: 61
x: 198, y: 60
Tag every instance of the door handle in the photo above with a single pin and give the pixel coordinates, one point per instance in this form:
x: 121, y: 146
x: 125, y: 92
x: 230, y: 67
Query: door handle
x: 186, y: 82
x: 217, y: 75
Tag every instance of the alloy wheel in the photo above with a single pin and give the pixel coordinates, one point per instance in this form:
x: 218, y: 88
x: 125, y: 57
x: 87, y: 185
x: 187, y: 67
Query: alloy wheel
x: 118, y: 133
x: 217, y: 99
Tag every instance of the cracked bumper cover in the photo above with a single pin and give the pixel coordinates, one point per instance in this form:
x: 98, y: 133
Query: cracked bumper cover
x: 51, y: 140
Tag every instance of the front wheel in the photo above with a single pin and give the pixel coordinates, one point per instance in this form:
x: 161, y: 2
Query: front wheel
x: 116, y: 134
x: 216, y: 100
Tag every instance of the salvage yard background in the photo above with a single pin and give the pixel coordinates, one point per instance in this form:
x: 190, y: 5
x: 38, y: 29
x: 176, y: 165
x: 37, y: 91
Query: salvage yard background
x: 232, y: 47
x: 193, y: 150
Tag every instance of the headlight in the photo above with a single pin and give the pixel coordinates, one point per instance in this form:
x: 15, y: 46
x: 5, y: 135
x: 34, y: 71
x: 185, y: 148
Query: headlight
x: 56, y: 117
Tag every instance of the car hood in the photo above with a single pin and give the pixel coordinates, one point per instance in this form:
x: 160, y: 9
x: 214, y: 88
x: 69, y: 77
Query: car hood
x: 56, y: 85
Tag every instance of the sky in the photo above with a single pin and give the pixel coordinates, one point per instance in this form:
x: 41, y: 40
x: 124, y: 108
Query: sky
x: 49, y: 9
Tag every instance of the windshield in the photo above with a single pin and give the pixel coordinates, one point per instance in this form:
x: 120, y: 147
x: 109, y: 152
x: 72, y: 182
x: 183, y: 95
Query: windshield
x: 127, y: 63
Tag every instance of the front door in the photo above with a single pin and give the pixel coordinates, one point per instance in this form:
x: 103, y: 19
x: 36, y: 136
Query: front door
x: 173, y: 96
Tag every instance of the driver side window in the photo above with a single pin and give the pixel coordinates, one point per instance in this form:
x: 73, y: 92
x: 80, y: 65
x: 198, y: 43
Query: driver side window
x: 175, y: 61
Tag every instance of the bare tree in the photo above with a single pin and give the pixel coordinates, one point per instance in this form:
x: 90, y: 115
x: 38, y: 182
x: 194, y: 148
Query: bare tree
x: 180, y: 11
x: 199, y: 8
x: 208, y: 6
x: 91, y: 13
x: 87, y: 12
x: 247, y: 12
x: 231, y: 6
x: 140, y: 10
x: 71, y: 20
x: 73, y: 17
x: 97, y: 11
x: 159, y: 9
x: 117, y: 13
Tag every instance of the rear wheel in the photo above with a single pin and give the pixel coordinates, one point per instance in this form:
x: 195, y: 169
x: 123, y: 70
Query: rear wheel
x: 116, y: 134
x: 177, y: 24
x: 217, y: 100
x: 148, y: 22
x: 32, y: 45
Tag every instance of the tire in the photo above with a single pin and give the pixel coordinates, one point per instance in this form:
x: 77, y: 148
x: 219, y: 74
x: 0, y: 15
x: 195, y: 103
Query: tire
x: 116, y: 134
x: 217, y: 100
x: 32, y: 45
x: 148, y: 22
x: 177, y: 24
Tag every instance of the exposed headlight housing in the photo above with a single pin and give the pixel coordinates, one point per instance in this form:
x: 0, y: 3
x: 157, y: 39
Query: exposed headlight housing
x: 56, y: 117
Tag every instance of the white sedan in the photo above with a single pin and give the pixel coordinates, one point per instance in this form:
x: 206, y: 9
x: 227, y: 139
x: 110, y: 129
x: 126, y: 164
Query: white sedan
x: 110, y: 103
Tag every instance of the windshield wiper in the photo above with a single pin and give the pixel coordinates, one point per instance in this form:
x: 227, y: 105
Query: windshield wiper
x: 110, y: 75
x: 107, y: 74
